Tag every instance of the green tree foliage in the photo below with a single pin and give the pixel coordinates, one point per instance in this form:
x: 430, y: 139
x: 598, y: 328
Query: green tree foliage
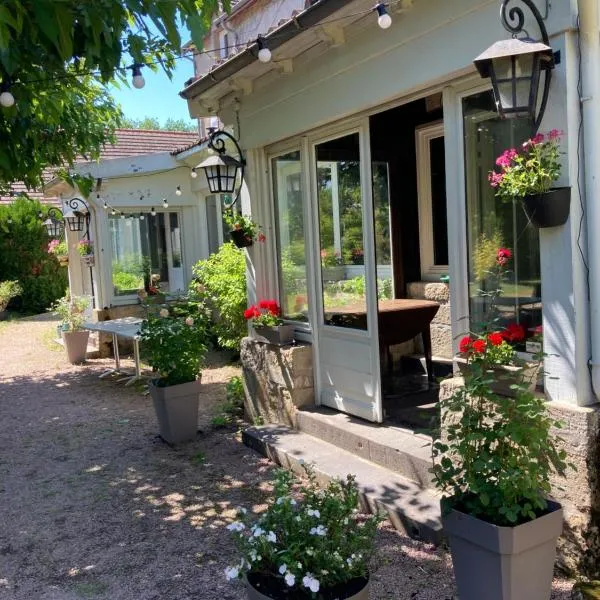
x: 48, y: 53
x: 221, y: 278
x: 153, y: 123
x: 24, y: 257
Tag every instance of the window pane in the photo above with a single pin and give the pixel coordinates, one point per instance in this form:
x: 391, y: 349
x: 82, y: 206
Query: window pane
x: 287, y: 183
x: 127, y: 256
x: 383, y: 248
x: 493, y: 224
x: 438, y: 201
x: 341, y: 232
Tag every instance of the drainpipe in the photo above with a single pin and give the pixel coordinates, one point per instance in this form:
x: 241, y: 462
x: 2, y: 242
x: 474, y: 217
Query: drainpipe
x: 590, y: 72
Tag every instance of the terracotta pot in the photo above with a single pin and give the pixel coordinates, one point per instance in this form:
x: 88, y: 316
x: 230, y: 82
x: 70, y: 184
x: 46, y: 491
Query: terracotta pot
x: 88, y: 260
x: 279, y: 335
x: 240, y: 239
x: 550, y: 209
x: 176, y: 408
x: 505, y: 376
x: 76, y: 344
x: 363, y: 594
x: 504, y: 563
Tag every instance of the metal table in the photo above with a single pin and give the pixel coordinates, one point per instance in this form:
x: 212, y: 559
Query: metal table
x: 129, y: 329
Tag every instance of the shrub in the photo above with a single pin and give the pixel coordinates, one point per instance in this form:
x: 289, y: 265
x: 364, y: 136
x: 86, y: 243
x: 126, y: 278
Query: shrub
x: 233, y: 407
x: 71, y: 311
x: 8, y: 291
x: 221, y: 279
x: 24, y: 256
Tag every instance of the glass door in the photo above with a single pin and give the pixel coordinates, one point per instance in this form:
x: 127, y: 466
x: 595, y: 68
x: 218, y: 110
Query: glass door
x: 348, y: 355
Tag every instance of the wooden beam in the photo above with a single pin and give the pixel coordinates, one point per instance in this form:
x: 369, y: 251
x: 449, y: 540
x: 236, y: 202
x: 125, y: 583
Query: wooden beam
x: 332, y: 34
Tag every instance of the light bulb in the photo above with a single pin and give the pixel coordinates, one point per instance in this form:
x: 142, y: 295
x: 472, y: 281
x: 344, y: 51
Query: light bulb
x: 383, y: 20
x: 264, y: 55
x: 165, y: 203
x: 153, y: 212
x: 7, y: 99
x: 105, y: 205
x: 178, y: 191
x: 193, y: 174
x: 142, y: 217
x: 113, y: 212
x: 122, y: 216
x: 138, y: 80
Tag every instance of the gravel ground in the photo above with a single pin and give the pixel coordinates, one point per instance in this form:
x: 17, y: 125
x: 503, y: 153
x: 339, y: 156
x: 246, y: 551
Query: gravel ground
x: 94, y: 505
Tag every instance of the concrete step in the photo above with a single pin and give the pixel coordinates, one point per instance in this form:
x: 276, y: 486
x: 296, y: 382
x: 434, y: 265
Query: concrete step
x: 411, y: 509
x: 396, y: 449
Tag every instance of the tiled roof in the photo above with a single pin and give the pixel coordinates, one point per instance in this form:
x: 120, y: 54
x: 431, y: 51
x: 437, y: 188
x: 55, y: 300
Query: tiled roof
x: 130, y: 142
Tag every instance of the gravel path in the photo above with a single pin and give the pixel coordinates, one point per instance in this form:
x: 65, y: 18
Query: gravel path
x: 94, y: 505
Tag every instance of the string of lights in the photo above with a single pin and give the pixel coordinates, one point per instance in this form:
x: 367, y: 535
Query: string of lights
x: 264, y: 55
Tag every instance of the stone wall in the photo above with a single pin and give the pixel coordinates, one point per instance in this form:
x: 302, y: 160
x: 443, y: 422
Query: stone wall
x: 441, y: 326
x: 277, y: 380
x: 116, y: 312
x: 579, y: 492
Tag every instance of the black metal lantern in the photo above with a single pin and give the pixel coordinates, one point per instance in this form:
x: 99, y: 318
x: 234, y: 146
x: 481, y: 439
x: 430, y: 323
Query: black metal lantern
x: 223, y: 172
x: 54, y: 224
x: 77, y: 215
x: 515, y: 66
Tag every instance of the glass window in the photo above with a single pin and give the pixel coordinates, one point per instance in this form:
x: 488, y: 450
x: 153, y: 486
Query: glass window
x: 383, y: 247
x: 287, y: 185
x: 146, y: 253
x: 341, y: 232
x: 492, y: 224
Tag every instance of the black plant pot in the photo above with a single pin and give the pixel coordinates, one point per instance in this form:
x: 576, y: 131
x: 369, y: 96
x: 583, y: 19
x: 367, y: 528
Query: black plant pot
x: 240, y: 239
x: 550, y: 209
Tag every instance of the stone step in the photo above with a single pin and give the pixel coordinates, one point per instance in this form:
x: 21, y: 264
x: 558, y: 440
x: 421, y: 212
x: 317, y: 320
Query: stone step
x: 411, y: 509
x: 396, y: 449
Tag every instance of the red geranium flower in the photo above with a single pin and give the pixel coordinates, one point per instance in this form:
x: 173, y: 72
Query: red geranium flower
x: 495, y: 338
x: 478, y: 346
x: 264, y: 304
x: 465, y: 344
x: 503, y: 256
x: 250, y: 312
x: 261, y: 237
x: 514, y: 333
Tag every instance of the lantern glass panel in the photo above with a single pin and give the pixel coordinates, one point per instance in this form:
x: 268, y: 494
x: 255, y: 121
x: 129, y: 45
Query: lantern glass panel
x: 75, y: 222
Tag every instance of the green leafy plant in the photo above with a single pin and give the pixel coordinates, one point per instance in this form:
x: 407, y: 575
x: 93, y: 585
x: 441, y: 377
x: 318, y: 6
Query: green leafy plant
x: 302, y: 548
x: 8, y: 291
x: 238, y: 222
x: 71, y: 310
x: 530, y: 170
x: 85, y: 247
x: 233, y: 407
x: 221, y: 281
x: 58, y: 247
x: 497, y: 455
x: 174, y: 344
x: 264, y: 314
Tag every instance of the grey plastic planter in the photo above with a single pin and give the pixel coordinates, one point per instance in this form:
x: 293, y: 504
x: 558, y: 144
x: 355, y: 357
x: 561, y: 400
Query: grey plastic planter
x: 76, y: 344
x: 254, y: 594
x: 176, y: 408
x: 279, y: 335
x: 504, y: 563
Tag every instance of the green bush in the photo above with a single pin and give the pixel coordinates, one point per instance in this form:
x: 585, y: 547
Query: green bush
x: 24, y: 256
x: 124, y: 282
x: 221, y: 279
x: 8, y: 291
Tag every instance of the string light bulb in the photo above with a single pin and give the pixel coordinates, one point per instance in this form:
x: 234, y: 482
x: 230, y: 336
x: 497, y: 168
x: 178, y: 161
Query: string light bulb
x: 6, y: 98
x: 137, y: 80
x: 193, y: 173
x: 153, y: 211
x: 105, y: 205
x: 264, y: 54
x: 142, y: 217
x: 122, y: 215
x: 113, y: 212
x: 383, y: 20
x: 165, y: 203
x: 178, y: 191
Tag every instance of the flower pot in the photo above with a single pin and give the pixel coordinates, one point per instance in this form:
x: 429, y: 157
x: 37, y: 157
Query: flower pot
x: 550, y: 209
x: 63, y: 259
x: 503, y: 563
x: 505, y: 376
x: 88, y: 260
x: 240, y: 238
x: 279, y: 335
x: 334, y: 273
x: 76, y: 344
x: 358, y: 589
x: 176, y: 408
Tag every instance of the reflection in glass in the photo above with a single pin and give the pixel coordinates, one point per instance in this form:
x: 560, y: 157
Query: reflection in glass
x: 381, y: 215
x: 341, y: 232
x: 287, y: 185
x: 493, y: 224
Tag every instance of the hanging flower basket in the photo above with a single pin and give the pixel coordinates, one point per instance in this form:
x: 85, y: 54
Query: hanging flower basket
x: 550, y: 209
x: 240, y: 238
x: 88, y: 260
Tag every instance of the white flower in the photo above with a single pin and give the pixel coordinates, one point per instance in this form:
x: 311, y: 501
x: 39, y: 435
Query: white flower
x: 298, y: 518
x: 290, y: 579
x: 164, y: 312
x: 242, y: 510
x: 299, y: 565
x: 189, y: 321
x: 258, y: 532
x: 282, y: 569
x: 313, y: 513
x: 319, y: 530
x: 311, y: 583
x: 310, y: 551
x: 281, y: 500
x: 232, y: 573
x: 237, y: 526
x: 271, y: 537
x: 345, y: 521
x: 293, y: 502
x: 253, y: 556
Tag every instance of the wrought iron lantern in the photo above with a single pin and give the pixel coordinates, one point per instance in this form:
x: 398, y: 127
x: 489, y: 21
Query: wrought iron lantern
x: 224, y: 173
x: 517, y: 66
x: 54, y: 224
x: 77, y: 215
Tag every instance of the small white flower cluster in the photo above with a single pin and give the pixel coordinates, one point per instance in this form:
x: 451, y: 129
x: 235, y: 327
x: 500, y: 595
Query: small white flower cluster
x: 236, y: 526
x: 164, y: 312
x: 313, y: 513
x: 311, y: 582
x: 350, y: 561
x: 318, y: 530
x: 189, y: 322
x: 283, y: 499
x: 290, y: 578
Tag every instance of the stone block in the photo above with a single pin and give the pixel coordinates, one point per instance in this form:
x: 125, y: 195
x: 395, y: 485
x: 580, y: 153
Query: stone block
x: 442, y: 316
x: 429, y: 290
x: 441, y: 341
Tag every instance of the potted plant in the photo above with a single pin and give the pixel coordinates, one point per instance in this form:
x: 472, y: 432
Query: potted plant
x: 313, y: 547
x: 60, y: 249
x: 529, y: 174
x: 8, y: 291
x: 174, y: 345
x: 72, y: 312
x: 493, y: 466
x: 243, y: 230
x: 86, y: 251
x: 332, y: 265
x: 267, y: 324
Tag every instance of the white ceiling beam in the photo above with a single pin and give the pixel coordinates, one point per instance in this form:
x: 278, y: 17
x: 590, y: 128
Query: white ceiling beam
x: 332, y: 34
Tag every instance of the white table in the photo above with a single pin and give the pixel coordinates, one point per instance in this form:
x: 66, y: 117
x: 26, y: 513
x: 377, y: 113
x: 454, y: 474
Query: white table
x: 129, y: 329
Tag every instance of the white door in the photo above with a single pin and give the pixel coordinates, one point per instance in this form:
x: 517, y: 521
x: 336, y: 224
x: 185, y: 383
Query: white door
x: 347, y: 373
x: 174, y: 253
